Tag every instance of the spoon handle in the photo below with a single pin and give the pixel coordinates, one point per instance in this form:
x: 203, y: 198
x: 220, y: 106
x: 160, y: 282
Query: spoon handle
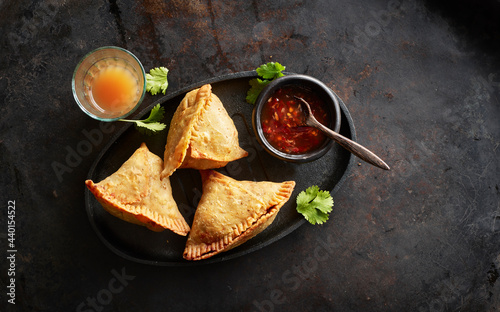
x: 353, y: 147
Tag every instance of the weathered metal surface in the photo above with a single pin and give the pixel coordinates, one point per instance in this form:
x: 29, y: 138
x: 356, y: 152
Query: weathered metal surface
x: 421, y: 81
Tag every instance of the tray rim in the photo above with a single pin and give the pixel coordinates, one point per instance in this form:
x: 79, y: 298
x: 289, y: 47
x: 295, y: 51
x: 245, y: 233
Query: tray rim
x: 222, y: 257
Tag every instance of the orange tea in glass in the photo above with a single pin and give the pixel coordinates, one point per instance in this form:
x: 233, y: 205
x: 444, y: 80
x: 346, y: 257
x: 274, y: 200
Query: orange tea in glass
x: 109, y: 83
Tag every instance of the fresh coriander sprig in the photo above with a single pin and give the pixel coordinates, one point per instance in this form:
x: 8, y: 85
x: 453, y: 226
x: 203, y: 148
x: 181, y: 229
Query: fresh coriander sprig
x: 315, y: 204
x: 157, y: 80
x: 271, y: 70
x: 152, y: 124
x: 267, y: 72
x: 257, y: 85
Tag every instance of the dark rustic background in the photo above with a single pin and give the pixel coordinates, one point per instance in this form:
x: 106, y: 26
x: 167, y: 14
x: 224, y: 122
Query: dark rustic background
x: 421, y: 80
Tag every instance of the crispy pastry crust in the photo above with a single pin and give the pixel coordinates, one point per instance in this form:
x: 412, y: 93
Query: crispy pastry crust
x: 135, y: 193
x: 231, y: 212
x: 201, y: 134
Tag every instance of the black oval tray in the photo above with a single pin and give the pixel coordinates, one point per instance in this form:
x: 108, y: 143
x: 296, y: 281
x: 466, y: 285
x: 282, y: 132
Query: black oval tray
x: 139, y: 244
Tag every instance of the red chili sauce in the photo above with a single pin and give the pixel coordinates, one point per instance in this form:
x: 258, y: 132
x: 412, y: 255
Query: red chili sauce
x: 282, y: 121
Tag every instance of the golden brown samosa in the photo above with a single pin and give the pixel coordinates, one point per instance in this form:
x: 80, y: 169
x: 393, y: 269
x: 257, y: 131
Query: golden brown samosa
x: 230, y: 212
x: 136, y: 194
x: 201, y: 135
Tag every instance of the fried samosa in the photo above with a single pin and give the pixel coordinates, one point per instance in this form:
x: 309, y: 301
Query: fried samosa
x: 201, y: 134
x: 230, y: 212
x: 136, y: 194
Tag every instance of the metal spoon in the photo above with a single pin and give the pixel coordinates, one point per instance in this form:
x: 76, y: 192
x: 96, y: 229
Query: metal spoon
x: 353, y: 147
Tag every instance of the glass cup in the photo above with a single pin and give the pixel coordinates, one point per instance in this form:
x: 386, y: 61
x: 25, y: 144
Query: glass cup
x: 119, y: 77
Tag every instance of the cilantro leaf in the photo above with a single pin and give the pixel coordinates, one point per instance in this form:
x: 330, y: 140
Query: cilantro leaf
x: 256, y: 86
x: 152, y: 124
x: 271, y: 70
x: 268, y: 72
x: 149, y: 128
x: 157, y: 80
x: 314, y: 204
x: 156, y: 114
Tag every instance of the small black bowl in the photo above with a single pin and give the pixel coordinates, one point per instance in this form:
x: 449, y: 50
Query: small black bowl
x: 307, y: 82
